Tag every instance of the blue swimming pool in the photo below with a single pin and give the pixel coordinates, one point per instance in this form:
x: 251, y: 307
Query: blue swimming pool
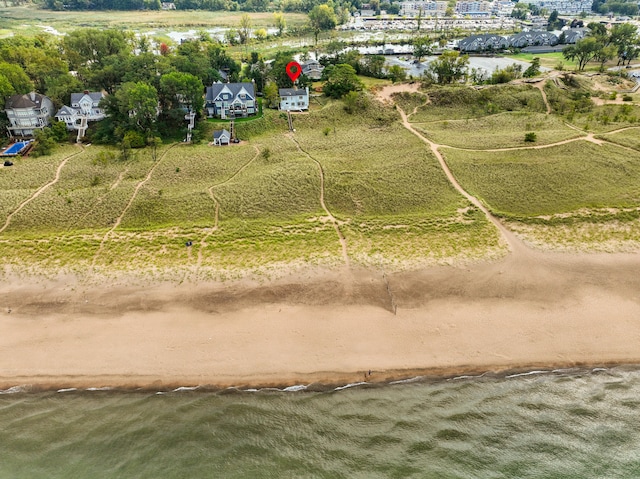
x: 16, y: 148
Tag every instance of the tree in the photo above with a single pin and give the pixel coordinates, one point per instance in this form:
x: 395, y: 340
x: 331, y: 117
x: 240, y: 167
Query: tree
x: 245, y: 29
x: 16, y: 76
x: 373, y: 66
x: 554, y: 23
x: 279, y: 22
x: 181, y: 90
x: 604, y: 54
x: 138, y: 103
x: 449, y: 67
x: 341, y: 79
x: 321, y: 18
x: 90, y: 46
x: 6, y: 88
x: 533, y: 69
x: 271, y: 94
x: 625, y: 37
x: 421, y: 47
x: 396, y: 73
x: 583, y: 51
x: 278, y: 72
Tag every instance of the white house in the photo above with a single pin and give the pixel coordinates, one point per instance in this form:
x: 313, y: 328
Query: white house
x: 221, y: 137
x: 85, y: 107
x: 292, y: 99
x: 28, y: 113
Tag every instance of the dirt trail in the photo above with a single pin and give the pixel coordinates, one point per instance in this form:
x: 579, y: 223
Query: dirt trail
x: 336, y: 226
x: 41, y: 189
x: 540, y: 86
x: 589, y: 137
x: 214, y: 228
x: 514, y: 243
x: 126, y: 208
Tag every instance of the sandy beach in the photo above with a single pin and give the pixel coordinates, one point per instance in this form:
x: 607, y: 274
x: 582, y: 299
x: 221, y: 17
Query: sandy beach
x: 529, y: 310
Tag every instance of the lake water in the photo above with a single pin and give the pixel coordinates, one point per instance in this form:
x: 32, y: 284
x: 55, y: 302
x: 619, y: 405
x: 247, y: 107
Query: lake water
x: 563, y: 424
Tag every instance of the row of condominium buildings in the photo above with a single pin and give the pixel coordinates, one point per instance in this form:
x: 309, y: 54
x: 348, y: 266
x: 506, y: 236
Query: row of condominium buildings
x: 433, y: 8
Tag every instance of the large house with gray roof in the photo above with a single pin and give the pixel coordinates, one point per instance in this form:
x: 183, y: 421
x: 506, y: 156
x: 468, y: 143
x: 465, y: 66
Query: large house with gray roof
x: 85, y: 107
x: 230, y: 100
x: 28, y: 113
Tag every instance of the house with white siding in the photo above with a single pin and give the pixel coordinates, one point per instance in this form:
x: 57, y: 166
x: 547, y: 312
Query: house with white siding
x: 85, y: 107
x: 292, y: 99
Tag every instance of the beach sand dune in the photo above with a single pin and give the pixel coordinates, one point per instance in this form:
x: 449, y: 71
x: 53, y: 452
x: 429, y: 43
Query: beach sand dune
x: 529, y: 310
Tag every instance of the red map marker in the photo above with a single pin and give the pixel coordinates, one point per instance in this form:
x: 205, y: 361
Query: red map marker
x: 294, y: 70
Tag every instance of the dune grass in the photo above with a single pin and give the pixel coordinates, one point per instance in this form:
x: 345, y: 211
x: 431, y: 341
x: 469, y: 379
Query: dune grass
x: 523, y: 184
x: 628, y: 137
x: 503, y: 130
x: 461, y: 102
x: 606, y: 118
x: 26, y: 176
x: 395, y: 210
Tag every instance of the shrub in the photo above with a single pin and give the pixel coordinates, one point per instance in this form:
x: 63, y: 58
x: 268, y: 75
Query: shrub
x: 530, y: 137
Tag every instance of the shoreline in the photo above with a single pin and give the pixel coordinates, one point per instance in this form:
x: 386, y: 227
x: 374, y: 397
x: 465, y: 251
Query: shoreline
x: 324, y: 381
x: 529, y: 310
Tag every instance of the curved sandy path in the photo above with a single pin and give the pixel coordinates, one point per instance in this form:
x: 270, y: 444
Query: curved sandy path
x: 203, y: 241
x: 126, y: 208
x: 514, y: 243
x: 540, y: 86
x: 41, y: 189
x: 334, y: 222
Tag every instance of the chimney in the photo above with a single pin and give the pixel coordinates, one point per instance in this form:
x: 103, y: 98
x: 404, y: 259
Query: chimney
x: 86, y: 92
x: 32, y: 95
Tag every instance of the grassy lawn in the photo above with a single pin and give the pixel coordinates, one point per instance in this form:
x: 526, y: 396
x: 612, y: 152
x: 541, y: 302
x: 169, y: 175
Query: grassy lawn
x: 497, y: 131
x: 524, y: 184
x: 548, y: 60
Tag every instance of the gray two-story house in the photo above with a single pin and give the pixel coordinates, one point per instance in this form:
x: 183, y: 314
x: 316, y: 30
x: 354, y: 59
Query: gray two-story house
x: 230, y: 100
x: 28, y: 113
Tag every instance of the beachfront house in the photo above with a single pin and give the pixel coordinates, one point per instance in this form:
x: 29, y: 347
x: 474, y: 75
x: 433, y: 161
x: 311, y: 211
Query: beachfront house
x: 221, y: 137
x: 85, y: 107
x: 230, y: 100
x: 292, y: 99
x: 28, y: 113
